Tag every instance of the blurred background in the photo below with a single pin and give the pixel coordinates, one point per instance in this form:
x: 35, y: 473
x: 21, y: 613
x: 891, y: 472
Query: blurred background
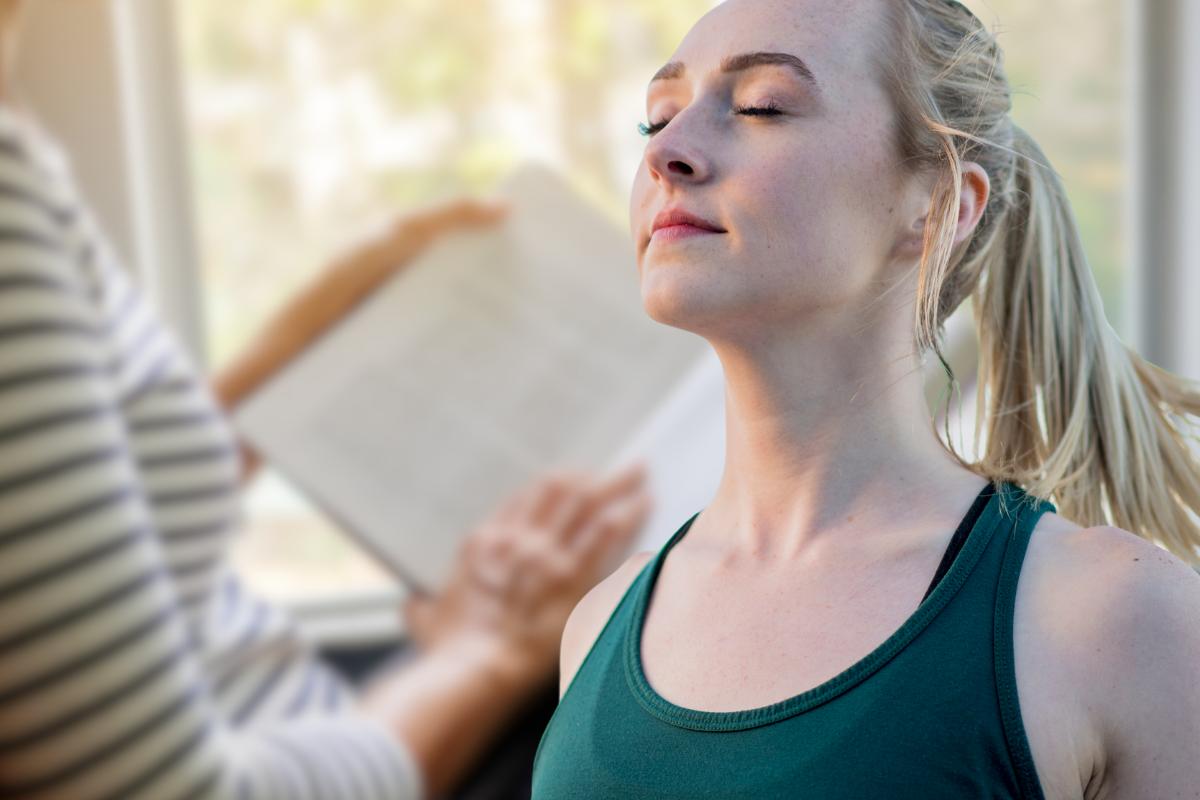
x: 232, y: 147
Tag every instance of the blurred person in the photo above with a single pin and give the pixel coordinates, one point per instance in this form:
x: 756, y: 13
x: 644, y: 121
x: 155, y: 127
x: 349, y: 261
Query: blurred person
x: 133, y: 661
x: 824, y: 184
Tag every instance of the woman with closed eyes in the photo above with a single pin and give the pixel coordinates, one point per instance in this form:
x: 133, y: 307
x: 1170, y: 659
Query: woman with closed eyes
x: 861, y: 611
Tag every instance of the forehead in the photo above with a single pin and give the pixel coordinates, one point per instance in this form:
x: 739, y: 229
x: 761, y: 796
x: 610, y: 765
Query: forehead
x: 835, y: 38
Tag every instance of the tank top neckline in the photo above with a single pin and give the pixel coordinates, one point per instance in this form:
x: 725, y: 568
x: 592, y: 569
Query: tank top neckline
x: 977, y: 539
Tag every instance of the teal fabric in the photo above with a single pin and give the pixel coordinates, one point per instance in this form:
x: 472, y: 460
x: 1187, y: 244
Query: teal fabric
x: 930, y: 713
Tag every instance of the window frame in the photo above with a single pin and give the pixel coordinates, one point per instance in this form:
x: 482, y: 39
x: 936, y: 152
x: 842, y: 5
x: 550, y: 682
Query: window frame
x: 1162, y: 117
x: 105, y: 79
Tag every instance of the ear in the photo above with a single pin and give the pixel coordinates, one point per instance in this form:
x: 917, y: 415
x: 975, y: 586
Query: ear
x: 973, y: 200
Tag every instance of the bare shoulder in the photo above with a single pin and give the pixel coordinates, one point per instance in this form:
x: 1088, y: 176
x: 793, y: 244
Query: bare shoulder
x: 1115, y: 623
x: 591, y: 613
x: 1135, y: 583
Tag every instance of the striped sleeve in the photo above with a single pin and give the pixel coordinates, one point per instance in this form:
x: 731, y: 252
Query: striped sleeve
x: 105, y: 687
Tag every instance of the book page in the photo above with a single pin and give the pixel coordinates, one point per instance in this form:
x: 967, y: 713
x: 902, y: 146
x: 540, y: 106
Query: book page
x: 497, y: 353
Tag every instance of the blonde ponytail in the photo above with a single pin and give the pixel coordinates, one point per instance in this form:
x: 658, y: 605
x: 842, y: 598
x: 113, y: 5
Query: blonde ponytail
x: 1070, y: 411
x: 1064, y: 408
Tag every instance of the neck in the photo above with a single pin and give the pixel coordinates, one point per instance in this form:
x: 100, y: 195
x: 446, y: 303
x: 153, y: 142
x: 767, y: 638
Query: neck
x: 826, y: 433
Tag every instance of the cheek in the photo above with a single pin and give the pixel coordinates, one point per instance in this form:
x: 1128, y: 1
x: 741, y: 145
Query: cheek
x: 819, y: 218
x: 791, y: 216
x: 640, y: 210
x: 640, y: 198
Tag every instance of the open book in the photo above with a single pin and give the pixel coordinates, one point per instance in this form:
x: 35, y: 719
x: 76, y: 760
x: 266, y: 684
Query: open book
x: 495, y: 354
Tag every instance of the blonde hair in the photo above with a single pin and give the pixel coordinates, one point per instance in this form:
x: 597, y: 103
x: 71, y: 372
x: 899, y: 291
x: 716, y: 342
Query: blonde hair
x: 1071, y: 413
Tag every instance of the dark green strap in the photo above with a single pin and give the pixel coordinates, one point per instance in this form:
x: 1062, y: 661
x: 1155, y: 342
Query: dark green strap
x: 1024, y: 519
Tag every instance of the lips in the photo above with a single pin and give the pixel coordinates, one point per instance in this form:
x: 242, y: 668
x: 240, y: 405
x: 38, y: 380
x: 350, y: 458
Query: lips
x: 680, y: 216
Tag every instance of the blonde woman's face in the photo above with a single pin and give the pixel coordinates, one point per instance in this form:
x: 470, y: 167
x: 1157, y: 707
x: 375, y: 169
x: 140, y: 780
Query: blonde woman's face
x: 808, y: 196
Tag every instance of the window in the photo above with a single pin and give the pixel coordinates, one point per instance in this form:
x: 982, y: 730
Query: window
x: 309, y: 118
x: 1068, y: 67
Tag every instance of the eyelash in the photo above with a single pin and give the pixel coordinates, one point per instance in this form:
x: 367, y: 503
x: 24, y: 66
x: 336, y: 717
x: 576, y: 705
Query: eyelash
x: 769, y: 110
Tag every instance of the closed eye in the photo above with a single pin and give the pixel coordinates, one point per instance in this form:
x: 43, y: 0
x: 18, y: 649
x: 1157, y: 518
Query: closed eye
x: 768, y: 110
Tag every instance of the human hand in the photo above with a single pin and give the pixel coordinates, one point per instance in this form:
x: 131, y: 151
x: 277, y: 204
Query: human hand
x: 519, y: 574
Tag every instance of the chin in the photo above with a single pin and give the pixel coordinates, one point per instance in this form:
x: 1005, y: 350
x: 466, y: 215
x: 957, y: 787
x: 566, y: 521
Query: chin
x: 679, y: 297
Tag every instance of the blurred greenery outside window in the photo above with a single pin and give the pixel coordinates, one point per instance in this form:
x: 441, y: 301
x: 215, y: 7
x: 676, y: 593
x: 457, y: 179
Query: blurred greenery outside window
x: 312, y: 119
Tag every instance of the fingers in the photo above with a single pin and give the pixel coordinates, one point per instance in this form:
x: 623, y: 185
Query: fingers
x: 538, y: 502
x: 610, y: 530
x: 560, y: 521
x: 522, y: 570
x: 456, y: 211
x: 624, y: 480
x: 558, y: 496
x: 513, y: 505
x: 471, y: 211
x: 417, y: 612
x: 563, y: 497
x: 568, y: 513
x: 486, y: 210
x: 627, y: 480
x: 490, y: 559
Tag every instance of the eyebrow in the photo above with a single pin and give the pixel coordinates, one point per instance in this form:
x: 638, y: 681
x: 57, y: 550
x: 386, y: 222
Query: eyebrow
x: 741, y: 62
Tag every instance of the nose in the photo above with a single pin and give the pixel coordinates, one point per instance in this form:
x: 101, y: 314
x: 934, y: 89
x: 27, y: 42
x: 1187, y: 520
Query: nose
x: 671, y: 157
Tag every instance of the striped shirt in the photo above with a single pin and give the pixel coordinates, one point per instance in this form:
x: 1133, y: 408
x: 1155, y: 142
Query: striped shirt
x: 133, y: 663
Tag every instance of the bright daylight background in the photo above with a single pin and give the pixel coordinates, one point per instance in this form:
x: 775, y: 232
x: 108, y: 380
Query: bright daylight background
x: 310, y: 118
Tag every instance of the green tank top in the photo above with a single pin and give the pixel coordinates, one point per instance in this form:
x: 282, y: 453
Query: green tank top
x: 932, y: 712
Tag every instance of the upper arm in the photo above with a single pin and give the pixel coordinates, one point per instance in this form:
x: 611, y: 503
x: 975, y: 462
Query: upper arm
x: 591, y: 614
x: 1145, y: 682
x: 92, y: 648
x: 102, y: 690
